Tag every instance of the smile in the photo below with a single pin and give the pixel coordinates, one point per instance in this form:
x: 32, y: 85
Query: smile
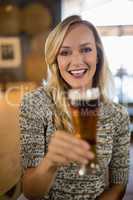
x: 78, y: 73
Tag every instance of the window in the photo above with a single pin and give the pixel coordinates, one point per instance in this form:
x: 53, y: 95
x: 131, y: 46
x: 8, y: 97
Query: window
x: 117, y: 48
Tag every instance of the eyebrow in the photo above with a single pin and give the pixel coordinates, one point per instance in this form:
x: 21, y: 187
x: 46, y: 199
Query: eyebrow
x: 81, y: 45
x: 85, y: 44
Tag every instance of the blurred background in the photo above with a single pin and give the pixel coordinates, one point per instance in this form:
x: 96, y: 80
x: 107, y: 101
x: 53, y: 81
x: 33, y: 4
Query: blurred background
x: 24, y: 26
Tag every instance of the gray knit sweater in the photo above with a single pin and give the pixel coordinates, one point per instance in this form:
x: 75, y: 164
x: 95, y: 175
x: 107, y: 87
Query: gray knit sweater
x: 113, y: 139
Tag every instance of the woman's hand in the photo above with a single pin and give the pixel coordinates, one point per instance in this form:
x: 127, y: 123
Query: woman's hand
x: 65, y: 148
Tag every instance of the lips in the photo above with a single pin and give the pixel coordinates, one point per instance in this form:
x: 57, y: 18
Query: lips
x: 78, y: 73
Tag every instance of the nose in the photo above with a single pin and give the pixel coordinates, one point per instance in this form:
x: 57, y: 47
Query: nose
x: 76, y: 59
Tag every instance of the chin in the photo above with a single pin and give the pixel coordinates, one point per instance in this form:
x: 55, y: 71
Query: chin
x: 80, y: 86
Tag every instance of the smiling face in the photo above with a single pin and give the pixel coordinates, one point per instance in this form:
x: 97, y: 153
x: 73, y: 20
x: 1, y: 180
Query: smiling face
x: 77, y: 57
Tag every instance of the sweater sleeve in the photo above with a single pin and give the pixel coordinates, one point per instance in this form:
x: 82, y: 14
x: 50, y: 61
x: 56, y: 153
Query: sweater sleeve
x: 119, y: 165
x: 32, y: 125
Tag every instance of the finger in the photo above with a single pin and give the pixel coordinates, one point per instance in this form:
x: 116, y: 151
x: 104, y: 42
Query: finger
x: 58, y: 160
x: 66, y: 159
x: 71, y: 139
x: 70, y: 153
x: 67, y: 148
x: 68, y: 145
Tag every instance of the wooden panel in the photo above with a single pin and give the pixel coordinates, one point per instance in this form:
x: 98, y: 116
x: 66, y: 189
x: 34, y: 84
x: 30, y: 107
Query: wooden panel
x: 116, y: 30
x: 9, y: 20
x: 10, y: 168
x: 35, y: 18
x: 9, y: 146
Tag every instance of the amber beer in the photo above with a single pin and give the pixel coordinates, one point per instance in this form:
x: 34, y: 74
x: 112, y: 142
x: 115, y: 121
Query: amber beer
x: 84, y: 107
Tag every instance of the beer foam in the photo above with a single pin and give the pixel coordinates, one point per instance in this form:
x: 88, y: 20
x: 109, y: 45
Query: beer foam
x: 89, y: 94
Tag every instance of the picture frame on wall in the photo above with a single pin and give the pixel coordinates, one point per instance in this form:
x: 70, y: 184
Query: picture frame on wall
x: 10, y: 52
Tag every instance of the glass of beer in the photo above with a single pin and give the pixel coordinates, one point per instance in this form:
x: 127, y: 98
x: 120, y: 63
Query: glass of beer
x: 84, y: 107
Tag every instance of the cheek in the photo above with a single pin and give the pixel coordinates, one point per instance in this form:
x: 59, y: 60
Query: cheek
x: 92, y: 64
x: 91, y: 59
x: 61, y: 63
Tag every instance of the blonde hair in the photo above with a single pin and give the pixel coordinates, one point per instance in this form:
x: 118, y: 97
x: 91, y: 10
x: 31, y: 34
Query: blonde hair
x: 56, y: 86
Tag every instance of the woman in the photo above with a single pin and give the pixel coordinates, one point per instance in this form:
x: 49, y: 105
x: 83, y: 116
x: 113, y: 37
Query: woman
x: 51, y: 154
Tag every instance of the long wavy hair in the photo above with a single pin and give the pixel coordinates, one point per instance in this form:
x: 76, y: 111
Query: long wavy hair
x: 56, y: 86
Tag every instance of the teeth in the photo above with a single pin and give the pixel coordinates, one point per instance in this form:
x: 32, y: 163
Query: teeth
x: 74, y: 72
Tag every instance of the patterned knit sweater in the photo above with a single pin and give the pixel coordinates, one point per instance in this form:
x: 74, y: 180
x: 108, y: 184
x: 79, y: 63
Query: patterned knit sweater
x: 113, y: 139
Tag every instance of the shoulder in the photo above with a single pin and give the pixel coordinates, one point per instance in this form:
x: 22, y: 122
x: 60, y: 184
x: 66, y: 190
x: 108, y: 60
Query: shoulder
x: 114, y: 112
x: 119, y: 110
x: 115, y: 108
x: 119, y: 115
x: 35, y: 101
x: 38, y: 95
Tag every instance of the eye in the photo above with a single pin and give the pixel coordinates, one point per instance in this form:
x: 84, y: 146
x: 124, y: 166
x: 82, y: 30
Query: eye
x: 64, y: 53
x: 86, y: 50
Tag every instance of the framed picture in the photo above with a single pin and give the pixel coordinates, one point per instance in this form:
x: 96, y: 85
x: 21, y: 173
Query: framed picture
x: 10, y: 52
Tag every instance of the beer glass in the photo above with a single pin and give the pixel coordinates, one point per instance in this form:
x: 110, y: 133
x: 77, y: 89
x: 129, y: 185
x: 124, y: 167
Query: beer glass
x: 84, y: 108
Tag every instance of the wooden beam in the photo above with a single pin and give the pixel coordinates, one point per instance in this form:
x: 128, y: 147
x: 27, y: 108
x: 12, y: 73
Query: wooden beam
x: 115, y: 30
